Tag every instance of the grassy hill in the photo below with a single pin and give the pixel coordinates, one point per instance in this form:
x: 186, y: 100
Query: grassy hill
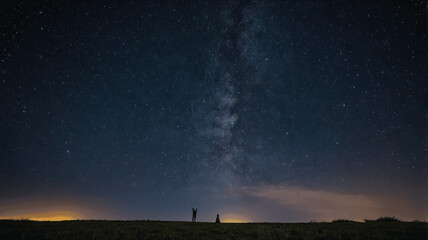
x: 96, y: 229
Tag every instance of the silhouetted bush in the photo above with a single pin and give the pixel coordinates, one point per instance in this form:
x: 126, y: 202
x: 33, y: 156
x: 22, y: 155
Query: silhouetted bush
x: 384, y: 219
x: 343, y: 221
x: 388, y: 219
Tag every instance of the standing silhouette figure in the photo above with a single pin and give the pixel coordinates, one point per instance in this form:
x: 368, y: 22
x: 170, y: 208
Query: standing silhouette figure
x: 217, y: 220
x: 194, y: 212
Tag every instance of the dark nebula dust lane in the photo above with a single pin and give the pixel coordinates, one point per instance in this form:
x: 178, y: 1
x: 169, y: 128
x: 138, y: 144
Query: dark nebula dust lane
x: 253, y: 110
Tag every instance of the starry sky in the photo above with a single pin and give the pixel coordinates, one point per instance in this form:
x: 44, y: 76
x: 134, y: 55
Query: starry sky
x: 256, y: 110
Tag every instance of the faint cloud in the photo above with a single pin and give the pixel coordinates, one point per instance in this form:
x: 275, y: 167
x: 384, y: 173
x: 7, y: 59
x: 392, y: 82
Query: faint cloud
x: 327, y: 205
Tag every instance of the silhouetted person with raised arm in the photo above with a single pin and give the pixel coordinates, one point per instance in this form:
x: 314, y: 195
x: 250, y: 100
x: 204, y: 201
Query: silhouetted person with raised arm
x: 217, y: 220
x: 194, y: 212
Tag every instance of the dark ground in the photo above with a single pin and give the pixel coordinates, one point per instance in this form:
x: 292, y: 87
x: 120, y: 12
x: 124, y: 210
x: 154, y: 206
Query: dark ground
x: 95, y: 229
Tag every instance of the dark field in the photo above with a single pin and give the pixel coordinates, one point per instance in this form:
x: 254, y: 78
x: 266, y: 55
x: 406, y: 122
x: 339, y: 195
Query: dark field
x: 95, y: 229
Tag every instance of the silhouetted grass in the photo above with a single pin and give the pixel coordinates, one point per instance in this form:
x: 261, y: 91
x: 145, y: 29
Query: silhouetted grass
x: 107, y: 230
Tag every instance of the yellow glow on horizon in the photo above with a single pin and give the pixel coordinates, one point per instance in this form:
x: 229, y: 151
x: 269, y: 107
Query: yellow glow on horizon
x: 233, y: 218
x: 47, y: 216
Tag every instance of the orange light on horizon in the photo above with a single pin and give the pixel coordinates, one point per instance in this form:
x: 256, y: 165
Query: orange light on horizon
x: 46, y: 216
x: 52, y: 208
x: 233, y: 218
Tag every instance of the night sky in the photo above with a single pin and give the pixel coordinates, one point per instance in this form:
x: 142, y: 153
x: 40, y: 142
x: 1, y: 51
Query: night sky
x: 255, y: 110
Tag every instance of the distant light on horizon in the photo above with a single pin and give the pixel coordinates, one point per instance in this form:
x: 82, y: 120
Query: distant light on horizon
x: 234, y: 218
x: 46, y: 216
x: 51, y: 208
